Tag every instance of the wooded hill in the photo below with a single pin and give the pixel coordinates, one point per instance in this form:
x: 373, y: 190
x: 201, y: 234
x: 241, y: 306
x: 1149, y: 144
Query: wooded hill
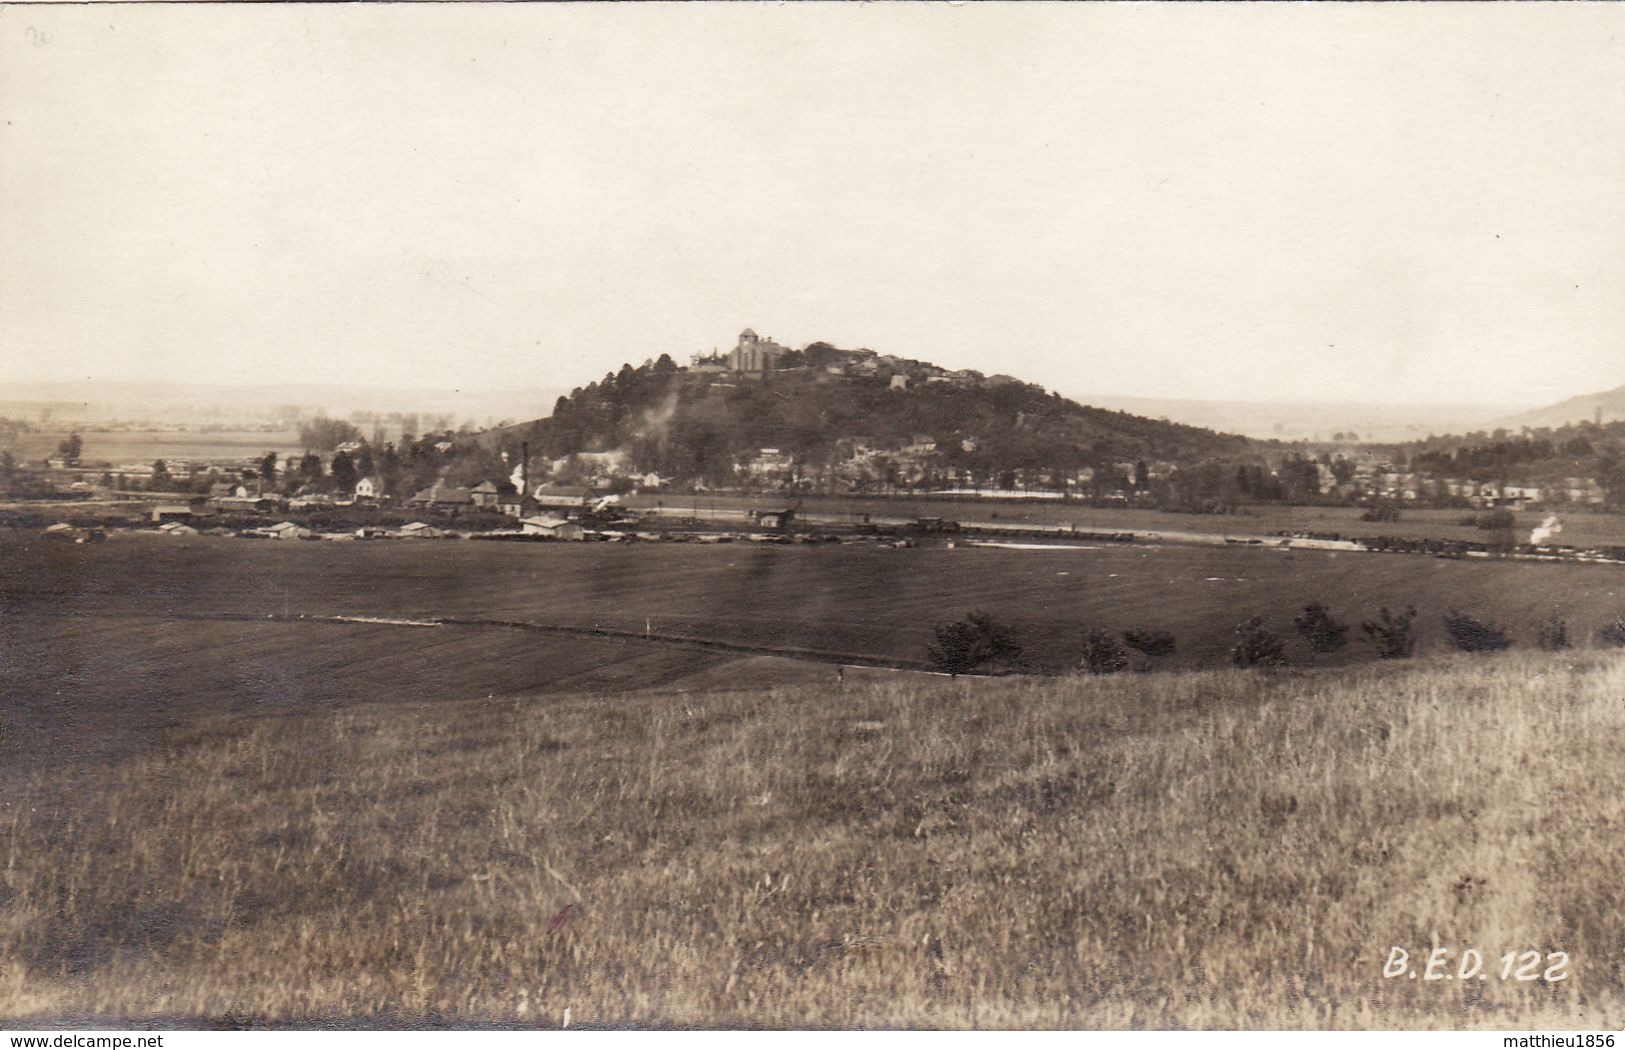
x: 1538, y: 456
x: 700, y: 425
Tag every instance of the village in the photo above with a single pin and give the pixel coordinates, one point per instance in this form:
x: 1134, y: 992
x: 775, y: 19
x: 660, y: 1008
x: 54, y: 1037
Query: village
x: 462, y: 470
x: 489, y: 485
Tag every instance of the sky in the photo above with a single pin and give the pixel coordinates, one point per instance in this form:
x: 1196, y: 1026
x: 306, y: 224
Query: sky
x: 1299, y: 202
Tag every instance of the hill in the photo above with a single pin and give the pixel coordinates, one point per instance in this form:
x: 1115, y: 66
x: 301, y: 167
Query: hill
x: 1609, y: 405
x: 821, y: 408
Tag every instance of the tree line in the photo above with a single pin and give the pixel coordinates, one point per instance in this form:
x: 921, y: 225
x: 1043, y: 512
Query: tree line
x: 980, y: 642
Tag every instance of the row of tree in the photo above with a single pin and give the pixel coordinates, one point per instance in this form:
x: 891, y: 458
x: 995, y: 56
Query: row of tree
x: 981, y: 642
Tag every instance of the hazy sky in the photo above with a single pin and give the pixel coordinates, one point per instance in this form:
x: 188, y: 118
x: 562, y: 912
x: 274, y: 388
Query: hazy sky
x: 1386, y: 202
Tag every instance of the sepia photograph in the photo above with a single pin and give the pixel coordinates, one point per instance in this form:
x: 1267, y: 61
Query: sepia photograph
x: 930, y: 517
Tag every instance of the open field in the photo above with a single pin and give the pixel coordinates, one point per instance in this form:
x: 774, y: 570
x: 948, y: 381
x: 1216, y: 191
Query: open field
x: 1581, y: 528
x: 1194, y: 849
x: 861, y: 600
x: 214, y: 811
x: 140, y: 446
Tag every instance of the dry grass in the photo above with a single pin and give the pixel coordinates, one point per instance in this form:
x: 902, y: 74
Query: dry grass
x: 1214, y: 849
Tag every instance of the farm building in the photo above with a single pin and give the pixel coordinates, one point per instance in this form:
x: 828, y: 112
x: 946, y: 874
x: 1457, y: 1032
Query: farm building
x: 176, y: 528
x: 418, y: 530
x: 485, y: 495
x: 370, y: 487
x: 773, y: 519
x: 285, y: 530
x: 439, y: 495
x: 563, y: 497
x: 555, y: 528
x: 514, y: 505
x: 171, y: 512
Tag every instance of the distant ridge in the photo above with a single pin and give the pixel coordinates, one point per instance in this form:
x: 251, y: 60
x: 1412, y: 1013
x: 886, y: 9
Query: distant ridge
x: 1313, y: 420
x: 1609, y: 404
x: 188, y: 402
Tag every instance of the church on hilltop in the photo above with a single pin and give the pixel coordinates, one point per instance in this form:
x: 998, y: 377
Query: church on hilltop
x: 755, y: 355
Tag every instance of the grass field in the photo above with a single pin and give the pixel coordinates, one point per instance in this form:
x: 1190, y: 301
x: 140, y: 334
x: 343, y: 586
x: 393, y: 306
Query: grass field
x: 1206, y: 849
x: 862, y: 600
x: 207, y: 816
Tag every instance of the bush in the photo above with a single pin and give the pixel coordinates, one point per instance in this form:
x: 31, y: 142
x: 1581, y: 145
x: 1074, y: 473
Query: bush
x: 1257, y: 645
x: 1554, y: 633
x: 1150, y: 641
x: 1381, y: 510
x: 1394, y: 633
x: 973, y: 642
x: 1471, y: 635
x: 1102, y: 654
x: 1613, y: 633
x: 1321, y: 630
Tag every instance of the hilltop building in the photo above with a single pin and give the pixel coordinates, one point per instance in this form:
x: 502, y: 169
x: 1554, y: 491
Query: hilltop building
x: 755, y: 355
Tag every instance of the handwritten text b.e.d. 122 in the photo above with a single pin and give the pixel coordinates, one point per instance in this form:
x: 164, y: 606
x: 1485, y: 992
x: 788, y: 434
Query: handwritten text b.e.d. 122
x: 1514, y: 965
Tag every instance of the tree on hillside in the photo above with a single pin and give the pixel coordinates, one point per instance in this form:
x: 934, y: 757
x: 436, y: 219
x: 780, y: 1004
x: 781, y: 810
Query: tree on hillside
x: 1472, y: 635
x: 1257, y: 645
x: 1381, y: 509
x: 389, y: 468
x: 1151, y: 641
x: 1554, y: 633
x: 476, y: 464
x: 976, y: 641
x: 1393, y: 633
x: 1611, y: 476
x: 268, y: 469
x: 343, y: 471
x: 1103, y: 653
x: 160, y: 475
x: 322, y: 434
x: 1320, y: 629
x: 70, y: 448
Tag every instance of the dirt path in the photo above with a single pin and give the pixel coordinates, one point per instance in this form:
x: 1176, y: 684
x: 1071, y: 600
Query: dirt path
x: 650, y: 637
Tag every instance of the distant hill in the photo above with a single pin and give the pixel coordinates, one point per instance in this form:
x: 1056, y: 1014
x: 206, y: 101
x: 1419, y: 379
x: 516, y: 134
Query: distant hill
x: 1585, y: 408
x: 1314, y: 420
x: 819, y: 405
x: 81, y: 401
